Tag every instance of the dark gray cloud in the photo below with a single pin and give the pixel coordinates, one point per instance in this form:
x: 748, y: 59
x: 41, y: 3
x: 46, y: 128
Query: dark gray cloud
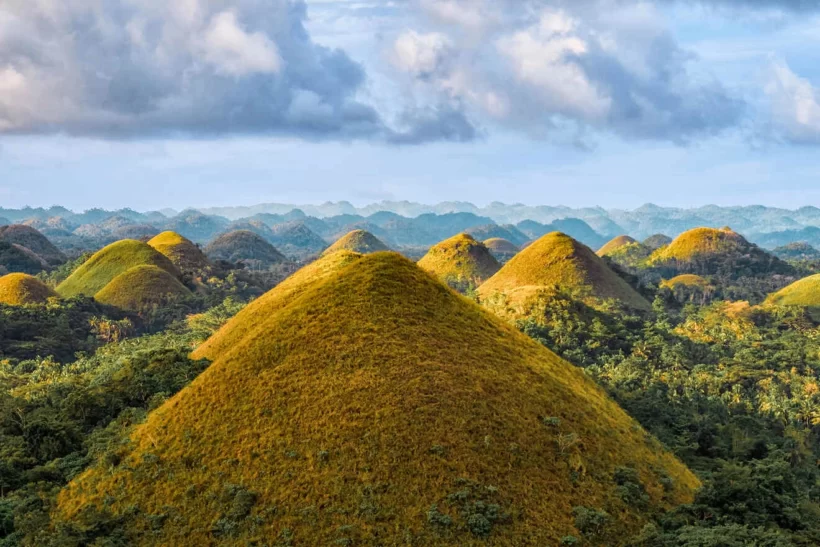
x: 124, y: 69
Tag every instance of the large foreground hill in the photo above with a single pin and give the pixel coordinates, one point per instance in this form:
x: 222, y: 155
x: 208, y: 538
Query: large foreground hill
x: 365, y: 403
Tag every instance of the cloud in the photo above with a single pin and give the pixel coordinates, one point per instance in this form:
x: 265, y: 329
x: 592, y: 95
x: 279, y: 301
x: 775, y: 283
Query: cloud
x: 127, y: 68
x: 537, y: 66
x: 794, y: 105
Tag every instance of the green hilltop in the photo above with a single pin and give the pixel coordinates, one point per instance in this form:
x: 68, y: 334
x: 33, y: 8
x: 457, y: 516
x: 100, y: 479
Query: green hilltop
x: 106, y: 264
x: 460, y: 261
x: 142, y: 287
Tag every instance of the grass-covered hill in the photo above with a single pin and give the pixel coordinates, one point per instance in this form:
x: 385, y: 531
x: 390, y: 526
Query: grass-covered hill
x: 181, y: 251
x: 357, y: 241
x: 106, y: 264
x: 657, y: 241
x: 246, y: 247
x: 18, y: 289
x: 557, y: 260
x: 616, y: 244
x: 804, y: 293
x: 501, y: 249
x: 28, y: 237
x: 295, y: 239
x: 142, y: 287
x: 711, y: 251
x: 461, y: 262
x: 797, y: 252
x: 371, y: 405
x: 685, y: 280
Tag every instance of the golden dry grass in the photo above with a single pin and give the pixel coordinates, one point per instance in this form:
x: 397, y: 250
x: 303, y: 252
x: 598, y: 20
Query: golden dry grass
x: 181, y: 251
x: 106, y: 264
x: 501, y: 249
x: 460, y: 261
x: 357, y: 241
x: 19, y: 289
x: 702, y: 242
x: 357, y: 398
x: 556, y: 259
x: 142, y: 287
x: 686, y: 280
x: 615, y: 244
x: 802, y: 293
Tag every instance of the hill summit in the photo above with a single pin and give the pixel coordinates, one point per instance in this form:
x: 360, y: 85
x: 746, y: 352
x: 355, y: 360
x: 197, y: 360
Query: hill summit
x: 247, y: 247
x: 358, y: 241
x: 460, y: 261
x: 501, y: 249
x: 713, y: 251
x: 109, y: 262
x: 18, y: 289
x: 368, y: 404
x: 33, y: 240
x: 556, y: 259
x: 142, y: 287
x: 616, y: 244
x: 181, y: 251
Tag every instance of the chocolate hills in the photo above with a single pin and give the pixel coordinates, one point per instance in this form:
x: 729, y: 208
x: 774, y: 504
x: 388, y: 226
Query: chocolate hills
x: 803, y: 293
x: 493, y: 231
x: 501, y: 249
x: 357, y: 241
x: 368, y: 404
x: 142, y: 287
x: 461, y: 262
x: 106, y: 264
x: 181, y: 251
x: 295, y: 239
x: 31, y: 239
x: 16, y: 258
x: 18, y: 289
x: 615, y: 245
x: 246, y: 247
x: 711, y: 251
x: 557, y: 260
x: 657, y: 241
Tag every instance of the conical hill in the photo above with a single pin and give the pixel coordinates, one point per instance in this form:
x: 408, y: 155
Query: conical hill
x: 247, y: 247
x: 357, y: 241
x: 805, y: 292
x: 616, y: 244
x: 18, y: 289
x: 106, y: 264
x: 374, y: 406
x: 181, y: 251
x: 501, y: 249
x: 142, y: 287
x: 460, y: 261
x: 558, y: 260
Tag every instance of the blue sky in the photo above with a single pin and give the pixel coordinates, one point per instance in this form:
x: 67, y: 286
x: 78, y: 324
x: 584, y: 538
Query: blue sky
x: 593, y: 102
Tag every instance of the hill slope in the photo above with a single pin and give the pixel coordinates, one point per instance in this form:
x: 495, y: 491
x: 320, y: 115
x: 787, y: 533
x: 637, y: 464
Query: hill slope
x: 711, y: 251
x: 616, y: 244
x: 357, y: 241
x: 805, y: 292
x: 557, y: 259
x: 501, y: 249
x: 181, y: 251
x: 460, y: 261
x: 245, y: 246
x: 142, y: 287
x: 18, y: 289
x: 31, y: 239
x: 109, y: 262
x: 376, y: 407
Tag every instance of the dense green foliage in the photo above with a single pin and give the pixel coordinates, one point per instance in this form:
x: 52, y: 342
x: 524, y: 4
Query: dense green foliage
x: 732, y: 390
x: 56, y: 419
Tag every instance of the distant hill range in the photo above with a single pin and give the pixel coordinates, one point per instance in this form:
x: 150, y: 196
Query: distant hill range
x: 302, y: 231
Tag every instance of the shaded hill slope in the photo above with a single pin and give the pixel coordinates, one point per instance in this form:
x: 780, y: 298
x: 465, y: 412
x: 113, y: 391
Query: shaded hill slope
x: 181, y: 251
x: 28, y: 237
x: 142, y: 287
x: 245, y: 246
x: 374, y: 406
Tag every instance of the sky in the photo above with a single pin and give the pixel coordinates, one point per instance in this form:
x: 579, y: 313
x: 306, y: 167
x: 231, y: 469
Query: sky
x: 151, y: 104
